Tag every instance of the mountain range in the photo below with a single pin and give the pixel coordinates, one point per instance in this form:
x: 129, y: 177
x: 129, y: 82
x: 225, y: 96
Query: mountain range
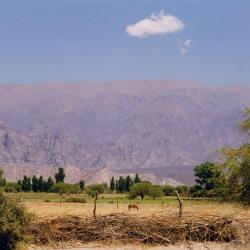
x: 158, y: 128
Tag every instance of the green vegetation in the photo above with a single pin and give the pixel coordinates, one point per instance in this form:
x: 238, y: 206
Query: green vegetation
x: 14, y: 223
x: 82, y: 184
x: 60, y: 176
x: 145, y: 188
x: 2, y: 180
x: 230, y: 177
x: 98, y: 188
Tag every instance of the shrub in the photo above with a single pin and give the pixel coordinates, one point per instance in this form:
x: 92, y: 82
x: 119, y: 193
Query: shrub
x: 183, y: 190
x: 12, y: 187
x: 156, y: 191
x: 145, y: 188
x: 100, y: 188
x: 14, y: 224
x: 76, y: 200
x: 61, y: 188
x: 168, y: 190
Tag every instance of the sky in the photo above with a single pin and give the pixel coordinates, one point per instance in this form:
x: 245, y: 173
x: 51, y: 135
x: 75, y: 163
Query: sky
x: 72, y: 40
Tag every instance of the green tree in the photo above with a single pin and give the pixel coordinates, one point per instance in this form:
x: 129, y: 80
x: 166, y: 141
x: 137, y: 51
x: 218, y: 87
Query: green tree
x: 61, y: 188
x: 182, y: 190
x: 208, y: 177
x: 12, y: 187
x: 99, y: 188
x: 245, y: 124
x: 2, y: 180
x: 140, y: 189
x: 121, y: 184
x: 137, y: 179
x: 168, y: 190
x: 60, y: 175
x: 34, y: 184
x: 112, y: 184
x: 155, y: 191
x: 48, y: 185
x: 116, y: 186
x: 82, y: 184
x: 40, y: 184
x: 26, y: 184
x: 76, y: 189
x: 128, y: 183
x: 245, y: 173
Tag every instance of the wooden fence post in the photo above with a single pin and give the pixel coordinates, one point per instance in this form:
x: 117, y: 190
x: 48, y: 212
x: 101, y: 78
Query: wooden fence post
x: 94, y: 210
x: 180, y: 203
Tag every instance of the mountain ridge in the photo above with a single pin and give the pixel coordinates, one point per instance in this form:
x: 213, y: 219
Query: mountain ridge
x: 118, y: 124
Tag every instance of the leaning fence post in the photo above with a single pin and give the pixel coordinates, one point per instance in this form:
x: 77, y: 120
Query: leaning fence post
x: 180, y: 203
x: 94, y: 210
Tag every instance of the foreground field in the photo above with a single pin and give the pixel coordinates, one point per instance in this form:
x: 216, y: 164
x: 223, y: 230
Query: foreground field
x: 60, y: 220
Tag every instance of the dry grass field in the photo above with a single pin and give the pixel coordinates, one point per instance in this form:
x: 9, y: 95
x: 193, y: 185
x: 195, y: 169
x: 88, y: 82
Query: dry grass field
x: 49, y: 206
x: 146, y: 207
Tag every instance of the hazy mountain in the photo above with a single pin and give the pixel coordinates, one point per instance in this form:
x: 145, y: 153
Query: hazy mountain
x: 162, y: 128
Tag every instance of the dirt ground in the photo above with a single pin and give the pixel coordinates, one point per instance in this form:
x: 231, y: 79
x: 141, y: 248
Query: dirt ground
x: 191, y: 246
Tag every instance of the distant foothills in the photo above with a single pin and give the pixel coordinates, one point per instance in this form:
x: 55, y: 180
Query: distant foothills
x: 95, y: 130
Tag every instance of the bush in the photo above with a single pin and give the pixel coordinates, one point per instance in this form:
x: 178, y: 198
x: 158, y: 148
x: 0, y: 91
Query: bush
x: 145, y: 188
x: 100, y: 188
x: 14, y: 224
x: 12, y: 187
x: 76, y: 200
x: 183, y: 190
x: 62, y: 188
x: 156, y: 191
x: 168, y: 190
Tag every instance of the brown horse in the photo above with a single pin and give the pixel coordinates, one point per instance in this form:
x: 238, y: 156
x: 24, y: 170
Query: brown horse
x: 130, y: 206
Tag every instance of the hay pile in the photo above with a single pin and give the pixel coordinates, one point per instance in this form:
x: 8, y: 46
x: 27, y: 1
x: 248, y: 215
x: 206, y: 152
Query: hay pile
x: 122, y: 228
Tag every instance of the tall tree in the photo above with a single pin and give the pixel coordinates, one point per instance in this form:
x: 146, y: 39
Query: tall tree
x: 208, y: 177
x: 34, y: 184
x: 121, y: 184
x: 137, y: 179
x: 112, y: 184
x: 245, y: 124
x: 26, y: 184
x: 82, y: 184
x: 2, y: 180
x: 48, y: 185
x: 40, y: 184
x: 128, y: 183
x: 116, y: 186
x: 60, y: 175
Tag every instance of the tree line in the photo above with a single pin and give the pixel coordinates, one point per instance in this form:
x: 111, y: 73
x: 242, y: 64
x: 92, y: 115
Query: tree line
x: 122, y: 184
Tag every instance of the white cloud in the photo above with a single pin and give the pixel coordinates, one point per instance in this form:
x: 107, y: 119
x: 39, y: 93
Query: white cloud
x: 156, y: 24
x: 185, y: 46
x: 188, y: 43
x: 184, y: 50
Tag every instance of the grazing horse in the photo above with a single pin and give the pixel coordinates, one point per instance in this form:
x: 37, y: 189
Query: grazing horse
x: 130, y: 206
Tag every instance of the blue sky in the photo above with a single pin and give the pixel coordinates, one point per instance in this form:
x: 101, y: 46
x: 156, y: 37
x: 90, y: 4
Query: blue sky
x: 73, y: 40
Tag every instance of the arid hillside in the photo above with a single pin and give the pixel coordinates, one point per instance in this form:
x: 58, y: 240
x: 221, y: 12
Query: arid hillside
x: 159, y: 128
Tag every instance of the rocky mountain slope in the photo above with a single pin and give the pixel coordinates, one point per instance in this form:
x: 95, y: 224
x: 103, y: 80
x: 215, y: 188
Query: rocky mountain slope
x: 122, y: 126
